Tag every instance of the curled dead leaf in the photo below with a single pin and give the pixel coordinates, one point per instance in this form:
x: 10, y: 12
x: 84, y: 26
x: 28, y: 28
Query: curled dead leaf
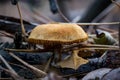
x: 105, y: 38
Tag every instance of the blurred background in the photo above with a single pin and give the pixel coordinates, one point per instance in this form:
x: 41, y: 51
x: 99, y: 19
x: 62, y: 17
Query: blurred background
x: 71, y: 8
x: 45, y: 11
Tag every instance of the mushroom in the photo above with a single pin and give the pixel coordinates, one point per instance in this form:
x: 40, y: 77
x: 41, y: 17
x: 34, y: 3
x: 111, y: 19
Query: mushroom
x: 54, y: 35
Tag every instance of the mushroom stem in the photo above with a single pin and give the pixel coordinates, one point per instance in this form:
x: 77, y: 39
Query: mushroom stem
x: 73, y: 61
x: 56, y: 55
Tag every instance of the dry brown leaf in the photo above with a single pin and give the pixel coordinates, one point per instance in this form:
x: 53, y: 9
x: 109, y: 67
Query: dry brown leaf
x: 73, y: 61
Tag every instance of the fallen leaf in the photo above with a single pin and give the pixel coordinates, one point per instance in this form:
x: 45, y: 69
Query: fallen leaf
x: 112, y: 75
x: 96, y: 74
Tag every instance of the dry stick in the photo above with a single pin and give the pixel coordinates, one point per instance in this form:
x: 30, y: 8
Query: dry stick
x: 13, y: 75
x: 17, y: 65
x: 27, y: 50
x: 95, y: 24
x: 37, y: 71
x: 7, y: 65
x: 92, y: 48
x: 61, y: 14
x: 10, y: 68
x: 89, y: 45
x: 98, y: 48
x: 21, y: 21
x: 7, y: 34
x: 96, y: 45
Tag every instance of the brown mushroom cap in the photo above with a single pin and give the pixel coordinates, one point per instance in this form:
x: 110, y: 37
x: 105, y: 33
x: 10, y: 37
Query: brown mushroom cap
x: 57, y: 33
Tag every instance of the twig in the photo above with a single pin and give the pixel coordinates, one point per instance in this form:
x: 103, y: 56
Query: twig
x: 98, y: 48
x: 21, y: 21
x: 37, y: 71
x: 65, y: 18
x: 7, y: 65
x: 16, y: 76
x: 27, y: 50
x: 17, y: 65
x: 104, y: 46
x: 13, y: 75
x: 93, y: 24
x: 91, y: 48
x: 89, y: 45
x: 7, y: 34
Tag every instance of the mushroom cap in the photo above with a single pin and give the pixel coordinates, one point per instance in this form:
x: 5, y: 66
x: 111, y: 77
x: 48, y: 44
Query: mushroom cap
x: 57, y: 33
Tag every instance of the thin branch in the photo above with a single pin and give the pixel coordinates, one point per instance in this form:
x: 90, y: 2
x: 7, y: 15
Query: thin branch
x: 61, y: 14
x: 7, y: 65
x: 80, y: 45
x: 95, y: 24
x: 98, y: 48
x: 6, y: 34
x: 27, y: 50
x: 21, y: 20
x: 34, y: 69
x: 15, y: 75
x: 17, y: 65
x: 102, y: 46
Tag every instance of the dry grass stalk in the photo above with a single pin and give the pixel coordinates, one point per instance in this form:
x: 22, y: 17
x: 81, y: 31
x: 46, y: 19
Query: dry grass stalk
x: 37, y: 71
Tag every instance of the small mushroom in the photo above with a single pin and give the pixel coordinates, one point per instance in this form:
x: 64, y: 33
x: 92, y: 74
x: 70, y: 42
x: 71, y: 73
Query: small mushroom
x: 55, y: 35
